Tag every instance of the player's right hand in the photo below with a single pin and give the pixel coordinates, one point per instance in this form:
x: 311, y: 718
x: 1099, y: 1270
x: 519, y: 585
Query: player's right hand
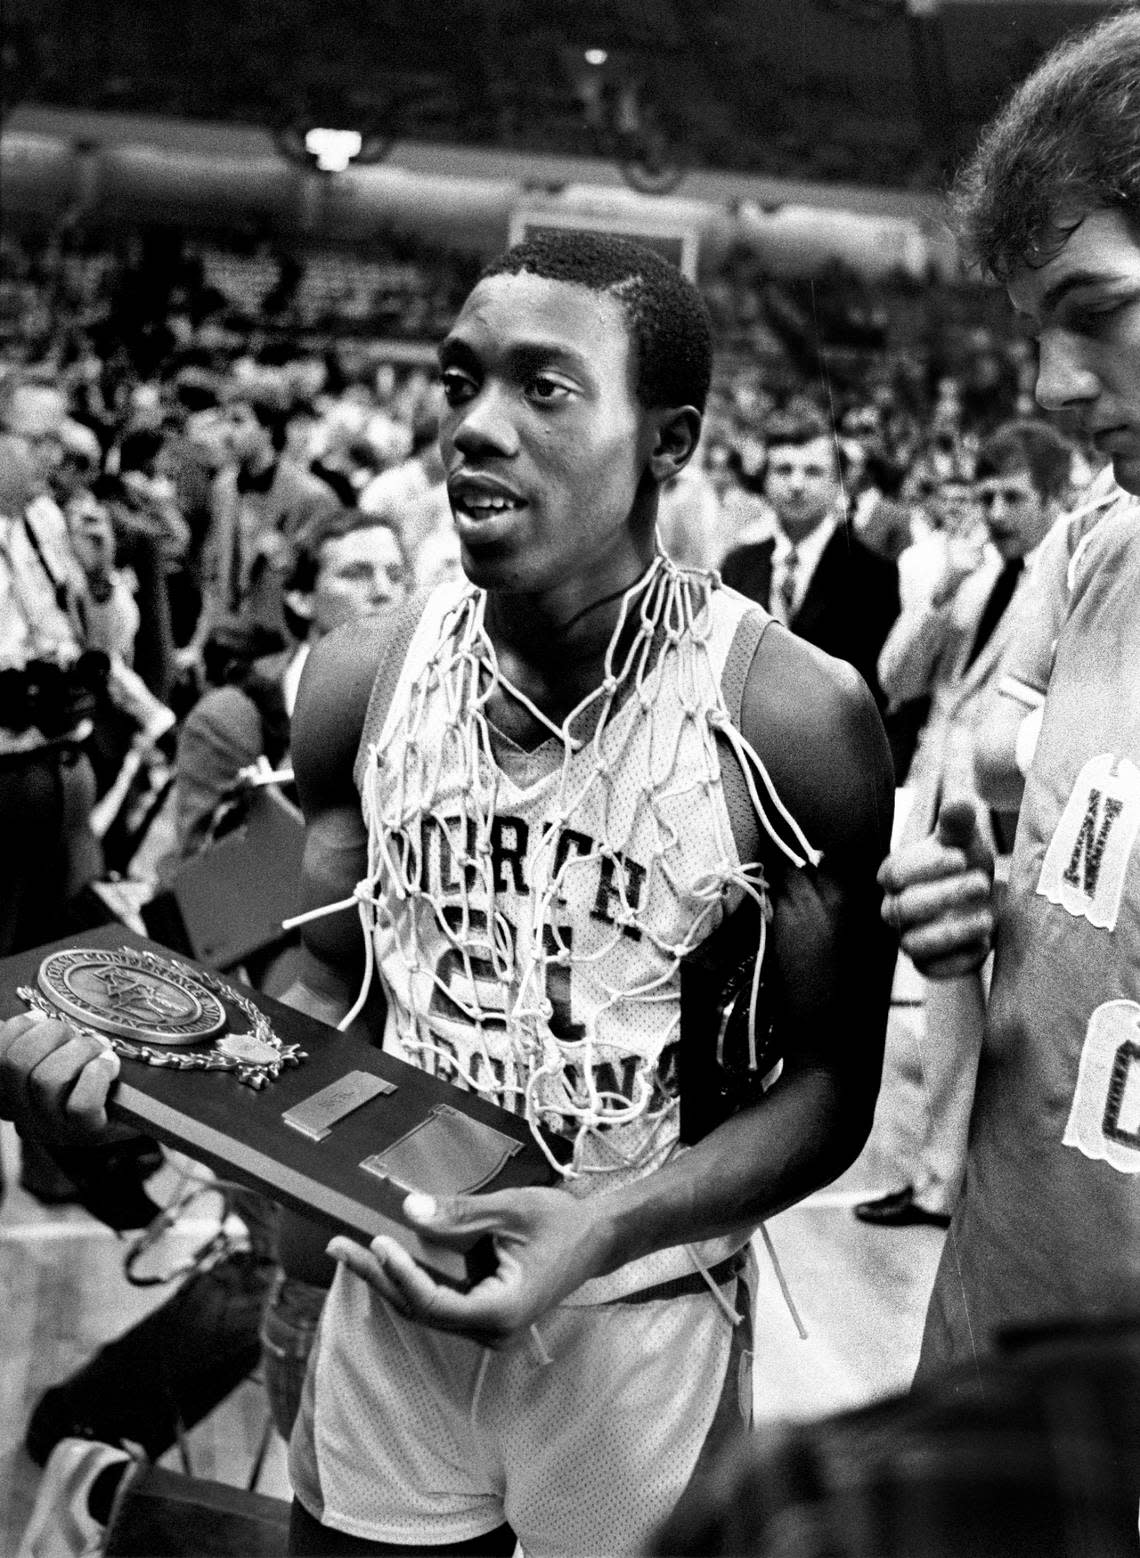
x: 54, y: 1082
x: 938, y: 894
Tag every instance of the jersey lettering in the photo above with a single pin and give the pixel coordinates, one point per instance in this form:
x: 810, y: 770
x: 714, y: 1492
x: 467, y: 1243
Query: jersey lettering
x: 447, y: 843
x: 1087, y: 860
x: 1083, y: 869
x: 1104, y: 1120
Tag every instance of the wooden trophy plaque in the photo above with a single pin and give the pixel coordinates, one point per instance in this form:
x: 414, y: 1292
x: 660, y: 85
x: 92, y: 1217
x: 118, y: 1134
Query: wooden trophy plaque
x: 320, y: 1121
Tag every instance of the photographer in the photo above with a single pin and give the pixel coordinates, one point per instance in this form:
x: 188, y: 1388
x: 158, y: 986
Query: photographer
x: 60, y: 624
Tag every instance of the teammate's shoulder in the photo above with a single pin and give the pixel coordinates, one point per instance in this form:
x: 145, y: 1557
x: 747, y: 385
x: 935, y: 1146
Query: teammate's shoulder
x: 1107, y: 535
x: 812, y: 720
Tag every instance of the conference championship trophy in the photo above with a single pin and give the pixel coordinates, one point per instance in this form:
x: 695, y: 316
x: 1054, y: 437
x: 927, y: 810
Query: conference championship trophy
x: 318, y: 1120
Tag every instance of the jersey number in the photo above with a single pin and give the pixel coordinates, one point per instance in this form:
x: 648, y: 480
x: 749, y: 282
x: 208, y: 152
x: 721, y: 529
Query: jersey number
x: 467, y: 986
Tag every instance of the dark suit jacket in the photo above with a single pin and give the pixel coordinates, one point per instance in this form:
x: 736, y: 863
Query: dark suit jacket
x: 850, y: 605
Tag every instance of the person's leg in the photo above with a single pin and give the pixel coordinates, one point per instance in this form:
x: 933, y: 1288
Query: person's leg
x: 309, y: 1539
x: 389, y: 1439
x: 288, y: 1330
x: 35, y: 862
x: 600, y: 1436
x: 954, y: 1017
x: 947, y: 1043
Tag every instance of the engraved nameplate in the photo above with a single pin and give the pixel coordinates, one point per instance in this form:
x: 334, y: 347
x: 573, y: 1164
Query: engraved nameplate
x: 448, y: 1154
x: 315, y: 1116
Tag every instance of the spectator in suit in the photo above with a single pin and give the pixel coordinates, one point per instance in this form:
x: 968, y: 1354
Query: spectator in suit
x: 260, y: 502
x: 347, y: 565
x: 949, y: 647
x: 814, y: 574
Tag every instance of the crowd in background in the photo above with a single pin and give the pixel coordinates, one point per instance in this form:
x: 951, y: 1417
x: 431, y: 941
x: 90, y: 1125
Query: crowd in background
x: 186, y: 425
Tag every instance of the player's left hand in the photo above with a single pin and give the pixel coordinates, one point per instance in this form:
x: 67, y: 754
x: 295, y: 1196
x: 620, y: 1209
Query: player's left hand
x: 546, y: 1242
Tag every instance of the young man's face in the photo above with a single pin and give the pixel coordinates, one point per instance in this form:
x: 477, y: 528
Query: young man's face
x: 543, y: 439
x: 1084, y: 305
x: 359, y: 573
x: 246, y: 438
x: 802, y: 485
x: 1016, y: 514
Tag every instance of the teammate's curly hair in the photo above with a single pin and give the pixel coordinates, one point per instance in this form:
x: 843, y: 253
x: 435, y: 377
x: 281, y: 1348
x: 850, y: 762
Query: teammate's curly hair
x: 1067, y: 143
x: 668, y: 321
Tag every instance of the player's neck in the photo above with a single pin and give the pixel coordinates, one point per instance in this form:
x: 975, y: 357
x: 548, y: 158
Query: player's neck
x: 554, y: 648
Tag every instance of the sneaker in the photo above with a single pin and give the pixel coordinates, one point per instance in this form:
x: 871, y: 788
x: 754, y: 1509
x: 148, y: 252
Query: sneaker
x: 61, y: 1525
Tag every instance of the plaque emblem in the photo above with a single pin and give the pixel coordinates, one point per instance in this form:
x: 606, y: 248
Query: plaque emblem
x: 157, y: 1010
x: 115, y: 993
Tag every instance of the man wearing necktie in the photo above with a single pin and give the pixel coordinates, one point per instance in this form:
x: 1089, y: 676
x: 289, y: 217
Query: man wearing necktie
x: 948, y: 647
x: 814, y: 574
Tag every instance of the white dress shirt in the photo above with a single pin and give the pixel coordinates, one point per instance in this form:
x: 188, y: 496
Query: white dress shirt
x: 808, y: 553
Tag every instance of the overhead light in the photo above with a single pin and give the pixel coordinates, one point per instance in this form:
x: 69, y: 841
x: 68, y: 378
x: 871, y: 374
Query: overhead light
x: 596, y: 56
x: 333, y: 150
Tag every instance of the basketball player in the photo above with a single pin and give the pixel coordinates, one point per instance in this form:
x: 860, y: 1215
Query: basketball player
x: 574, y: 796
x: 1049, y: 1227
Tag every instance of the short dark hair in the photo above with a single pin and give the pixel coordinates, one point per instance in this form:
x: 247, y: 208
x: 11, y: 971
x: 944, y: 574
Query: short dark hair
x: 800, y: 425
x: 1067, y: 141
x: 271, y: 411
x: 305, y: 563
x: 1028, y: 445
x: 668, y: 322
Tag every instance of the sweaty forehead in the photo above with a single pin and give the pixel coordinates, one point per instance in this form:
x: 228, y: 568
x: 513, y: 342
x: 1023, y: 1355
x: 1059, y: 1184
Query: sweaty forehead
x: 506, y: 312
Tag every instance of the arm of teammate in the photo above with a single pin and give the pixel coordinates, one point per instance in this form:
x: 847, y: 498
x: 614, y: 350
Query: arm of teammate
x: 829, y: 963
x: 939, y: 894
x: 1004, y: 743
x: 1006, y: 735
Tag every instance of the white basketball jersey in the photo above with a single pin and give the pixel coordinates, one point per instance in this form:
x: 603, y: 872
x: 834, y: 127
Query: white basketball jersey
x: 532, y: 907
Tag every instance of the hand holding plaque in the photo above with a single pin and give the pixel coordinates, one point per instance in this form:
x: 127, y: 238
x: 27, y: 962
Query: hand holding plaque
x: 317, y: 1120
x: 147, y: 1007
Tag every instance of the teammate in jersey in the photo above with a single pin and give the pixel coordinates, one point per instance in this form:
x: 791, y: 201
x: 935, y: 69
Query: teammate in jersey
x: 1048, y: 1230
x: 556, y: 790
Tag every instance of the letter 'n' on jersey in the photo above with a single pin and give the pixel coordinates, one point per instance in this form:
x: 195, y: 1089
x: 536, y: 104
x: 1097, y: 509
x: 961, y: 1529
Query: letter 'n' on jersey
x: 1087, y: 860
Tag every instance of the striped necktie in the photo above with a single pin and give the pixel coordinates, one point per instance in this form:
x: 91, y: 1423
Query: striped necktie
x: 788, y: 584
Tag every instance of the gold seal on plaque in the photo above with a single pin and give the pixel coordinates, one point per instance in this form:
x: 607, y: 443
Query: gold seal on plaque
x: 157, y: 1010
x: 117, y: 993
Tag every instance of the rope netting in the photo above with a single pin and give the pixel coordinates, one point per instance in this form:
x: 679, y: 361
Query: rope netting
x: 639, y: 758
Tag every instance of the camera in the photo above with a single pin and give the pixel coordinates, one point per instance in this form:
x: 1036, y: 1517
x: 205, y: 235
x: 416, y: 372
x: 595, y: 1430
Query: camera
x: 53, y: 697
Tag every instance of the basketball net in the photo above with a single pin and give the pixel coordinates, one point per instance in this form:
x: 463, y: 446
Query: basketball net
x: 660, y: 644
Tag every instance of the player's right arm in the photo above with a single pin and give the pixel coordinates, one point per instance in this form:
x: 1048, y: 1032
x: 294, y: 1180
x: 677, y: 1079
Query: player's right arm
x: 327, y: 724
x: 326, y: 730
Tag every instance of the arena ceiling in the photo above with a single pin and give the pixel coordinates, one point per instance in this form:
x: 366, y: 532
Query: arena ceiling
x: 882, y: 92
